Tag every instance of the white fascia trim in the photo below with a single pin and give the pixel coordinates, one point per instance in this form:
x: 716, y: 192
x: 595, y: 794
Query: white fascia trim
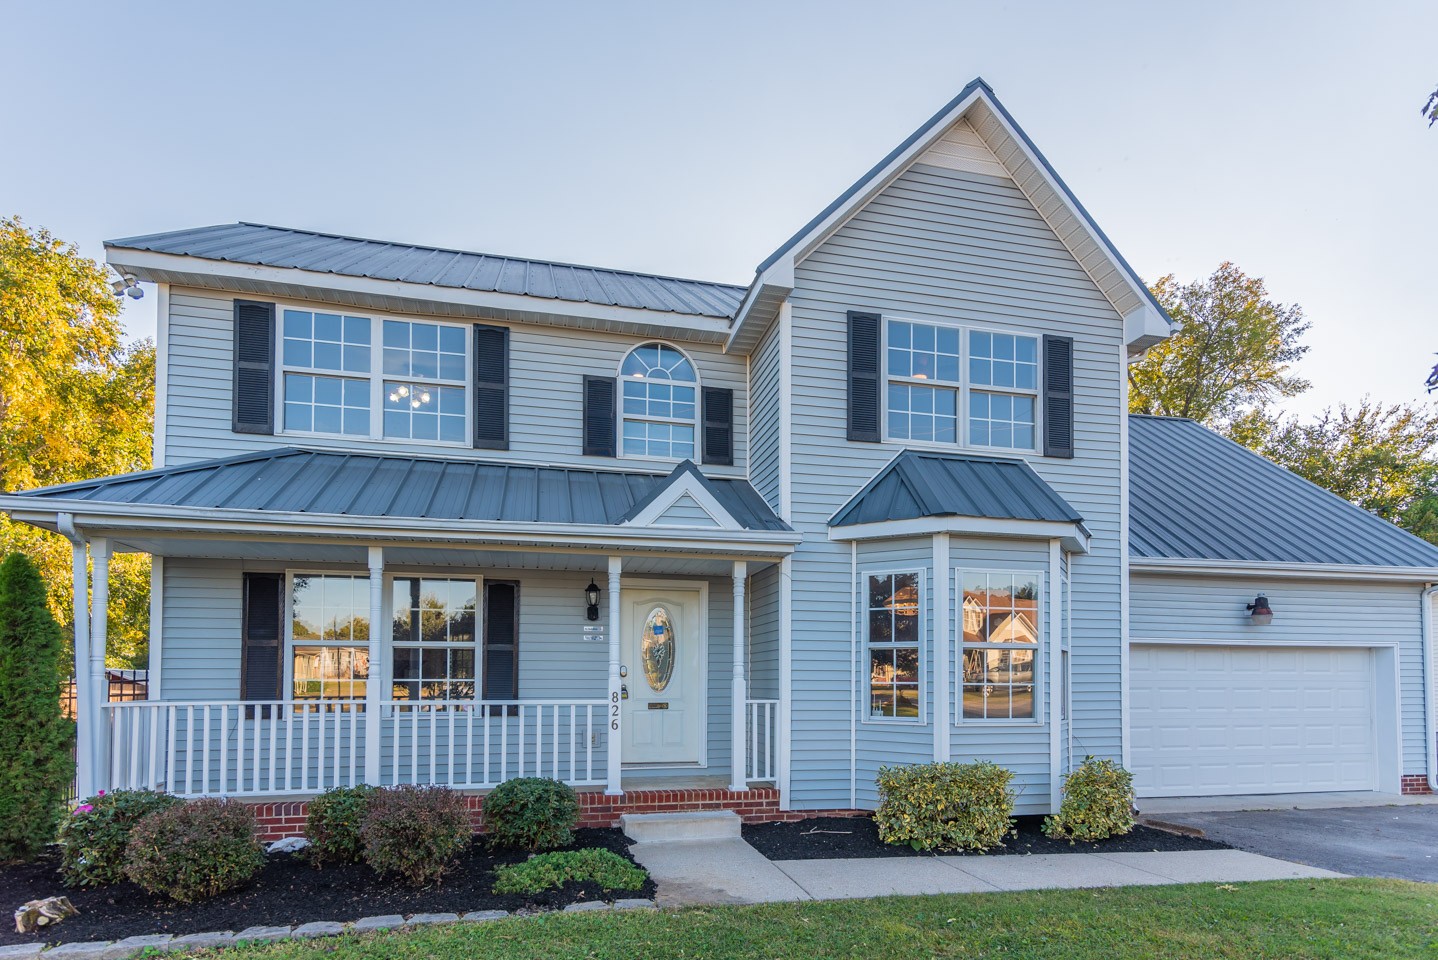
x: 1347, y: 643
x: 1073, y: 537
x: 1289, y: 571
x: 508, y: 305
x: 776, y: 283
x: 689, y: 485
x: 1144, y: 327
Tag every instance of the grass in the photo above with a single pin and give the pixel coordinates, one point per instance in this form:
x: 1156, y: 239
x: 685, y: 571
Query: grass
x: 1350, y: 919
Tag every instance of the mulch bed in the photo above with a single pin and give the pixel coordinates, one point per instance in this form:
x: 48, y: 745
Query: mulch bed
x: 290, y: 891
x: 842, y: 838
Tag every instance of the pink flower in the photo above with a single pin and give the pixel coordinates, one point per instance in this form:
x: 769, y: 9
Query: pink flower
x: 84, y: 808
x: 100, y: 794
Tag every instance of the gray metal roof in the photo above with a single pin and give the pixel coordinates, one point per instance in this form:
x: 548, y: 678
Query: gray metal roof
x: 269, y: 246
x: 290, y: 480
x: 1196, y: 495
x: 918, y: 484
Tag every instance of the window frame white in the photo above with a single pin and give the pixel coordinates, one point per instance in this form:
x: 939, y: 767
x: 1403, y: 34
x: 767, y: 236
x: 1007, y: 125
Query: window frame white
x: 376, y: 376
x: 389, y: 645
x: 289, y: 637
x: 1039, y: 647
x: 865, y: 665
x: 696, y: 424
x: 963, y: 388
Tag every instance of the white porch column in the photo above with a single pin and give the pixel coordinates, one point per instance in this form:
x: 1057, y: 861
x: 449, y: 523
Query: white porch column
x: 376, y: 667
x: 99, y: 687
x: 942, y: 607
x: 612, y: 786
x: 85, y: 706
x: 739, y: 780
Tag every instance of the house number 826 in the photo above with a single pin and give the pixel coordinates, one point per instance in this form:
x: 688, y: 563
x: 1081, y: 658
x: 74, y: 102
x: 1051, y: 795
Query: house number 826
x: 614, y: 711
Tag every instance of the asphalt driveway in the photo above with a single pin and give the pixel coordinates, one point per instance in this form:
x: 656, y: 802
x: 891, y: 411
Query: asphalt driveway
x: 1397, y: 842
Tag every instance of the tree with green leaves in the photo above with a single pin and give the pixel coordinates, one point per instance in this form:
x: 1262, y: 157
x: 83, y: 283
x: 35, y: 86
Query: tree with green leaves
x: 35, y: 738
x: 76, y: 401
x: 1232, y: 351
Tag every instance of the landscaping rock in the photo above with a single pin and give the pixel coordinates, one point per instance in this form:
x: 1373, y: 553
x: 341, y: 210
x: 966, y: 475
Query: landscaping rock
x: 479, y: 916
x: 264, y: 933
x: 318, y: 928
x: 35, y: 914
x: 80, y: 951
x: 390, y: 921
x: 586, y: 907
x: 429, y: 919
x: 201, y: 941
x: 21, y: 951
x: 288, y: 845
x: 130, y: 946
x: 634, y: 905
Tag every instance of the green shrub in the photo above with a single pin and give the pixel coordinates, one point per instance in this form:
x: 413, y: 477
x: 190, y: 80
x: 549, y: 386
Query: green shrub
x: 1097, y: 804
x: 416, y: 832
x: 195, y: 850
x: 35, y: 737
x: 94, y: 837
x: 531, y: 813
x: 332, y: 825
x: 549, y: 871
x: 945, y: 806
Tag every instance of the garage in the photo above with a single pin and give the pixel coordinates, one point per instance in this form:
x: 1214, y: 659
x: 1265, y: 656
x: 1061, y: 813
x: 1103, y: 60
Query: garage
x: 1222, y: 719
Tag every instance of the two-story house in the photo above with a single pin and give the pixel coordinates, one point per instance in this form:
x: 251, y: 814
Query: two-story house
x: 426, y: 515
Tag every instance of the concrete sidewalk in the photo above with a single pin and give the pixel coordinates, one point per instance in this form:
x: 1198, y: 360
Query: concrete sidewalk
x: 731, y: 871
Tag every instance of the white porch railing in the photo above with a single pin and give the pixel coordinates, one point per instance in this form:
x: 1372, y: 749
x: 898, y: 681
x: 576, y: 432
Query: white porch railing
x: 762, y: 715
x: 280, y: 747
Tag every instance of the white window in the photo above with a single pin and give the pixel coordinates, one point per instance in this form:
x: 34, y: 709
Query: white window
x: 1000, y: 636
x: 335, y: 381
x: 929, y: 399
x: 327, y: 635
x: 893, y: 627
x: 658, y: 404
x: 435, y: 640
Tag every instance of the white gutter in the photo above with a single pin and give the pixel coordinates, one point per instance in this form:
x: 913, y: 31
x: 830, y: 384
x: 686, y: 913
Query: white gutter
x: 1271, y: 569
x: 1430, y: 713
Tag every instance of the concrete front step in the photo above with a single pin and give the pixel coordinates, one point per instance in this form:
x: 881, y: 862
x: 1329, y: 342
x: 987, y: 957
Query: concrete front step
x: 695, y: 825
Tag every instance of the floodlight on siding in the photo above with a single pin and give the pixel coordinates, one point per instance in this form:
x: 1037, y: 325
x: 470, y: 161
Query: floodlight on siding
x: 1260, y: 614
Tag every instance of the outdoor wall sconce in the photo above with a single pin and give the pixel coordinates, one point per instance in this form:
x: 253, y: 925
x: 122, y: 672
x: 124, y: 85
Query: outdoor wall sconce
x: 591, y: 597
x: 1260, y: 613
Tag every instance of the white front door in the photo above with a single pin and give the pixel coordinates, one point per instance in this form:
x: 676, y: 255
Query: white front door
x: 661, y: 646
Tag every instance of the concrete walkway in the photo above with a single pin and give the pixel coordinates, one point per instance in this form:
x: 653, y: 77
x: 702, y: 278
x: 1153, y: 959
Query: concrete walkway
x: 1157, y: 807
x: 731, y: 871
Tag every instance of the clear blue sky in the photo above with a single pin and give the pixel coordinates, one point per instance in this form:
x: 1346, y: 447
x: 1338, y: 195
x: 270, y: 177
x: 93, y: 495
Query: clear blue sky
x: 692, y: 139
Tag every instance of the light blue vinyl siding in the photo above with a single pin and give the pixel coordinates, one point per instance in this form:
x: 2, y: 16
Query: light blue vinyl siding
x: 686, y: 512
x: 547, y: 366
x: 765, y: 413
x: 1170, y: 607
x: 763, y: 601
x: 945, y: 245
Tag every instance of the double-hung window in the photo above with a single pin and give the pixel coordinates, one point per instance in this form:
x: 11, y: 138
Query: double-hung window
x: 952, y: 385
x: 359, y: 376
x: 328, y: 633
x: 658, y: 403
x: 1000, y: 635
x: 434, y: 638
x: 893, y: 629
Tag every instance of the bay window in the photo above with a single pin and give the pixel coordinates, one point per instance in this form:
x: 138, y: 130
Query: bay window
x: 1000, y: 634
x: 892, y: 635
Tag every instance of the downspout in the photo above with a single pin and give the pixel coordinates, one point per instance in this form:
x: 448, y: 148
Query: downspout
x: 1430, y: 714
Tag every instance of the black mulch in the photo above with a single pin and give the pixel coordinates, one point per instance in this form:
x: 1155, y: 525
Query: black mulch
x: 290, y: 891
x: 841, y: 838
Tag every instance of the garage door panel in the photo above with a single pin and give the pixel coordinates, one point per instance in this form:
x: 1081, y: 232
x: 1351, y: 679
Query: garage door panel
x: 1213, y: 720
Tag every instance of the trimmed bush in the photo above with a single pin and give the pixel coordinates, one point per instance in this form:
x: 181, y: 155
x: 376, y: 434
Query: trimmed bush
x: 94, y: 837
x: 1097, y: 803
x: 531, y: 813
x: 945, y: 806
x: 550, y: 871
x: 332, y: 825
x: 35, y: 737
x: 415, y: 832
x: 196, y: 850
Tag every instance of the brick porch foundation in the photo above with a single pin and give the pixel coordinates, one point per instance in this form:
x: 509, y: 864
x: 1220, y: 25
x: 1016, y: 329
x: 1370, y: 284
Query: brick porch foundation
x: 1414, y: 784
x: 282, y: 819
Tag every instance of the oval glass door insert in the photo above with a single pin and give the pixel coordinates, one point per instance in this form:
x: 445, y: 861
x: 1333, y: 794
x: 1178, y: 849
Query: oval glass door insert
x: 657, y: 648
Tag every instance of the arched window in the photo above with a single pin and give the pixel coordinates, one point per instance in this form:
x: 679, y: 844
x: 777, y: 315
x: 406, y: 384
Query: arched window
x: 657, y: 403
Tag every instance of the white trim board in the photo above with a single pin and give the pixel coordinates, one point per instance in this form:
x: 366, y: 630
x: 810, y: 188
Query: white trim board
x: 1285, y: 570
x: 1073, y: 537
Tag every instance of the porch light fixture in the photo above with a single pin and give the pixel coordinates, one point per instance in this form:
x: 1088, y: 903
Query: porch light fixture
x: 1260, y: 613
x: 591, y: 597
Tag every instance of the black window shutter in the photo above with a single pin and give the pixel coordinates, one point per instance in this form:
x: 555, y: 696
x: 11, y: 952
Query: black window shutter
x: 491, y: 387
x: 718, y: 426
x: 254, y: 387
x: 1058, y: 397
x: 599, y: 416
x: 261, y: 670
x: 501, y: 641
x: 864, y: 376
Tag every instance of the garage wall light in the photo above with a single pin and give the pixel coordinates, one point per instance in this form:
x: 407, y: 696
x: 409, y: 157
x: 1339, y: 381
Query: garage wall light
x: 1260, y: 613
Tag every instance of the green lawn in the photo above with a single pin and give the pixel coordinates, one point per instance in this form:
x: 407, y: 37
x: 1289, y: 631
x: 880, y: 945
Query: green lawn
x: 1350, y: 919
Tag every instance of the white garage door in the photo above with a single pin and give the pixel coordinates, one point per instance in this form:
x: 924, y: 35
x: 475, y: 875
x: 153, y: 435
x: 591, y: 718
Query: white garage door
x: 1214, y: 720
